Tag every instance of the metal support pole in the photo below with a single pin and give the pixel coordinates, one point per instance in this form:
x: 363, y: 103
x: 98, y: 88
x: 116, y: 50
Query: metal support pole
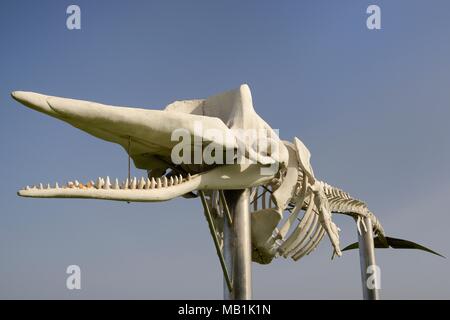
x: 369, y: 269
x: 228, y: 257
x: 237, y: 245
x: 213, y: 231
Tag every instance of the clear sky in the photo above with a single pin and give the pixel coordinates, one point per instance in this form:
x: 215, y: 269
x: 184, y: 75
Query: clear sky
x: 372, y: 106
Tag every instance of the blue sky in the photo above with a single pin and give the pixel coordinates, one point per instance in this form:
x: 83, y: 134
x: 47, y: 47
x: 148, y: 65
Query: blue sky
x: 372, y: 106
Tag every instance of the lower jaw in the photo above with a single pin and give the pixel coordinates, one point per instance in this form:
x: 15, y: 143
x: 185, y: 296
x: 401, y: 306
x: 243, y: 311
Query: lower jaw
x: 226, y: 177
x: 129, y: 194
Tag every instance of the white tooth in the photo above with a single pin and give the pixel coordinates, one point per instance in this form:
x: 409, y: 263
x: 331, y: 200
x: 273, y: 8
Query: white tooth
x: 116, y: 184
x: 180, y: 179
x: 141, y: 183
x: 48, y: 186
x: 107, y: 184
x: 171, y: 181
x: 189, y: 176
x: 133, y: 183
x: 56, y: 185
x: 41, y: 186
x: 158, y: 183
x: 175, y: 180
x: 77, y: 183
x: 126, y: 184
x: 164, y: 182
x: 153, y: 184
x: 27, y: 188
x: 70, y: 184
x: 148, y: 184
x: 99, y: 183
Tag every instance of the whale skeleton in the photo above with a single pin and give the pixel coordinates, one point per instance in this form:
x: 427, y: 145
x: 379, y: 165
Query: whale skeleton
x: 291, y: 210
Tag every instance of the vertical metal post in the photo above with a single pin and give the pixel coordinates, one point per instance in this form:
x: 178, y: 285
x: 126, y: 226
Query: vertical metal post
x: 367, y: 259
x: 228, y: 249
x: 237, y: 245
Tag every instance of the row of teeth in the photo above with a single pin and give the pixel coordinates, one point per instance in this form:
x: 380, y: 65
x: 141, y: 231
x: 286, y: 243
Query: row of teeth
x: 133, y: 184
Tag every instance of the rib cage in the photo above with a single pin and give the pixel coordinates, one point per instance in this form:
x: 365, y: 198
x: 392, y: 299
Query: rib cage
x: 308, y: 233
x: 300, y: 232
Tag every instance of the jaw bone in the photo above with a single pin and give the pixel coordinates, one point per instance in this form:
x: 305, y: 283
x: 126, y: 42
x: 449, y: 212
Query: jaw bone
x: 142, y: 190
x: 229, y: 177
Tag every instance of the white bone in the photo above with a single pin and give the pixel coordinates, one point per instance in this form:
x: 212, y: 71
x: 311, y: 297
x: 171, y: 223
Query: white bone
x: 364, y: 225
x: 303, y: 242
x: 298, y: 234
x: 324, y: 211
x: 141, y: 183
x: 358, y: 226
x: 286, y: 191
x: 151, y: 195
x: 304, y: 157
x: 133, y: 183
x: 107, y: 183
x: 312, y: 244
x: 298, y: 207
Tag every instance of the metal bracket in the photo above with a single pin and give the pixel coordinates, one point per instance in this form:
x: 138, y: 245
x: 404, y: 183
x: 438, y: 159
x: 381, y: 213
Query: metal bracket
x: 225, y: 206
x: 213, y: 231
